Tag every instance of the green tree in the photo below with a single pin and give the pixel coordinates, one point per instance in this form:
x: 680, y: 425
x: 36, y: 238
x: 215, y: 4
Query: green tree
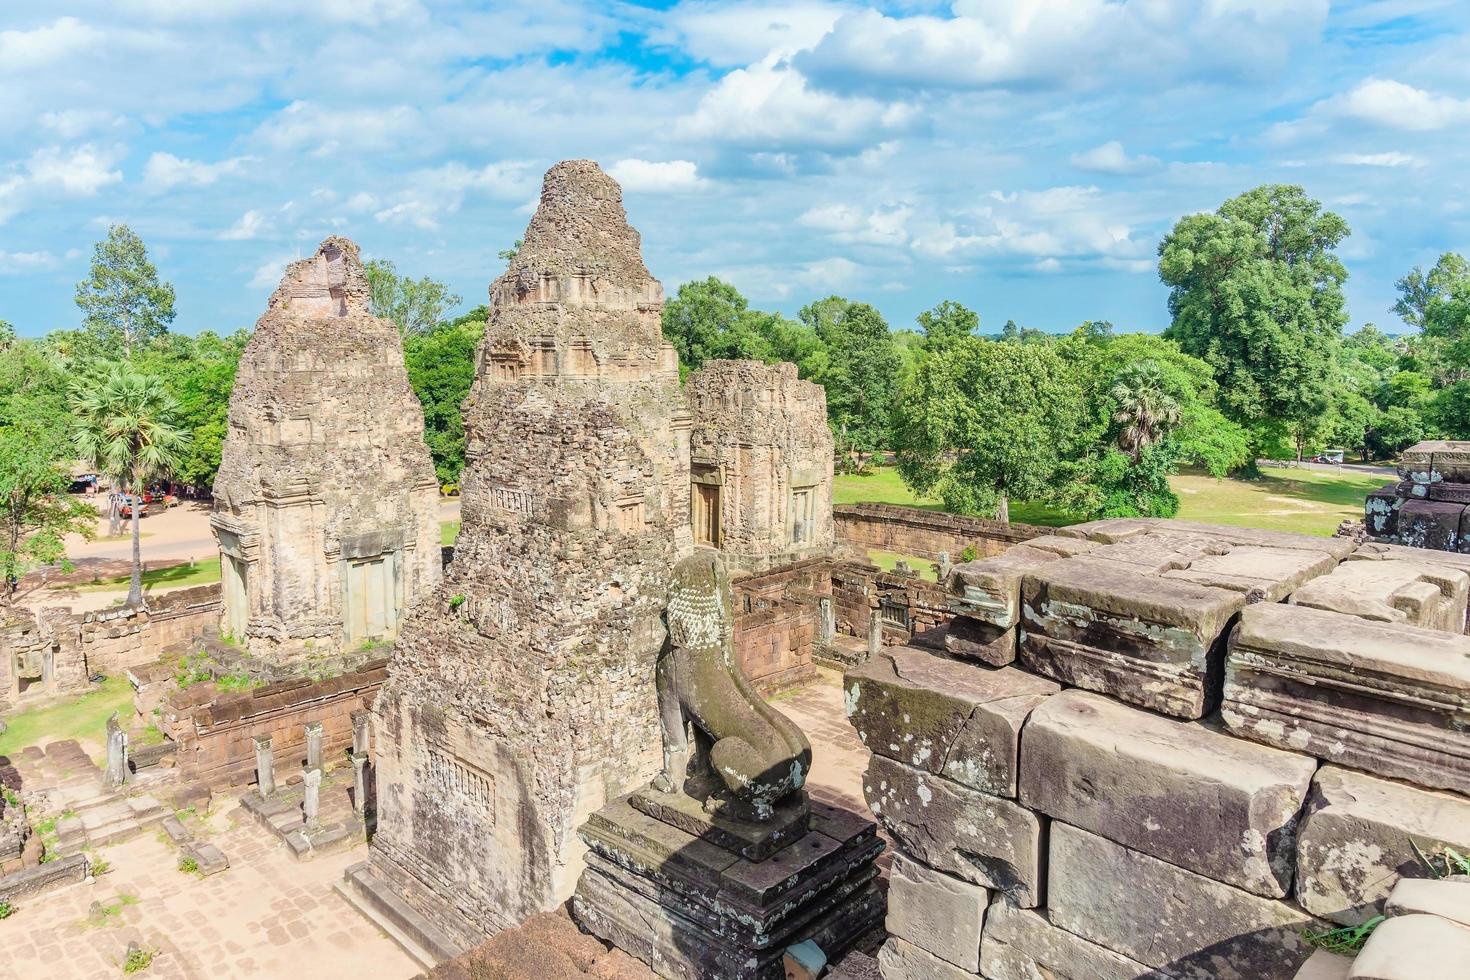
x: 416, y: 305
x: 441, y: 368
x: 7, y: 336
x: 126, y: 426
x: 710, y: 319
x: 946, y: 323
x: 199, y: 373
x: 1256, y: 292
x: 124, y: 304
x: 861, y: 374
x: 1438, y: 303
x: 1146, y: 413
x: 984, y: 422
x: 509, y: 254
x: 36, y: 512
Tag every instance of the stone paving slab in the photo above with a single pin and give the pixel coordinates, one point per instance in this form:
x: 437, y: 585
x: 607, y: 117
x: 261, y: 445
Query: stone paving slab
x: 266, y: 917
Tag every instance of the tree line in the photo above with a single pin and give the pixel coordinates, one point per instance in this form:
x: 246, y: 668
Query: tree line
x: 1254, y: 363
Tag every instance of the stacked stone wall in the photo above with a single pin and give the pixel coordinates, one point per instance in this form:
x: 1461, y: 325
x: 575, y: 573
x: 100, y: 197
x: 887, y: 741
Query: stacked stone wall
x: 776, y: 622
x: 214, y: 733
x: 925, y: 533
x: 107, y: 642
x: 1140, y: 756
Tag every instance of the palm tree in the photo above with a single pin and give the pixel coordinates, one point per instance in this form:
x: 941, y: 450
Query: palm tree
x: 1145, y: 410
x: 125, y: 426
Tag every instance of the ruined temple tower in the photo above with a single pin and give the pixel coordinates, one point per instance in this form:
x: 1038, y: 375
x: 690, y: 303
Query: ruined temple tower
x: 520, y: 696
x: 761, y: 464
x: 326, y: 505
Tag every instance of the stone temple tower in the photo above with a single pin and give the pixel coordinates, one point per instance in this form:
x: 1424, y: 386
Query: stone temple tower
x: 326, y: 504
x: 520, y: 696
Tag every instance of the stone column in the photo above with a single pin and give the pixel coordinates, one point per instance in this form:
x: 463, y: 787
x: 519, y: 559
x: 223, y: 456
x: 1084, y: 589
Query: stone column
x: 875, y: 632
x: 48, y: 668
x: 944, y: 566
x: 313, y: 745
x: 265, y: 766
x: 359, y: 782
x: 311, y: 803
x: 826, y: 624
x: 360, y: 731
x: 117, y: 753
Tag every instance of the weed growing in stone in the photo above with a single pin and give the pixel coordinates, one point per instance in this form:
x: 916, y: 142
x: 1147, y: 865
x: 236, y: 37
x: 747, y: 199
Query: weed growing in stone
x: 6, y: 910
x: 139, y: 958
x: 1346, y: 940
x: 188, y: 865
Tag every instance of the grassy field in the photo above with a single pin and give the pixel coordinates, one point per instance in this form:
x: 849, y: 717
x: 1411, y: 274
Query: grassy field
x: 448, y: 532
x: 173, y: 577
x: 886, y: 560
x: 1309, y: 501
x: 83, y: 718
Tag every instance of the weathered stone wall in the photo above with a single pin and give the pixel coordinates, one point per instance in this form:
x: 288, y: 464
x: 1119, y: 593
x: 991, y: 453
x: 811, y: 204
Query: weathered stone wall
x: 925, y: 533
x: 761, y: 454
x: 1069, y: 798
x: 213, y: 732
x: 776, y: 622
x: 520, y: 696
x: 110, y: 641
x: 326, y: 503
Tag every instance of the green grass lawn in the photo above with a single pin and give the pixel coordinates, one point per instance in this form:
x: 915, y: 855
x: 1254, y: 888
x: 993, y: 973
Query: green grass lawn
x: 172, y: 577
x: 83, y: 718
x: 887, y: 560
x: 1309, y: 501
x: 448, y: 532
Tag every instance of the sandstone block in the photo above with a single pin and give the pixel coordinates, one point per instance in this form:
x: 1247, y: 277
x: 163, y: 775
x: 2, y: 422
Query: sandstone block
x: 1415, y: 593
x: 1448, y: 898
x: 1414, y: 947
x: 1151, y: 641
x: 1384, y: 697
x: 1110, y: 530
x: 989, y: 590
x: 974, y: 836
x: 975, y: 639
x: 1435, y: 461
x: 1021, y: 944
x: 1338, y: 548
x: 945, y: 717
x: 1431, y: 524
x: 1166, y: 917
x: 899, y: 960
x: 1063, y: 546
x: 1323, y: 965
x: 936, y: 912
x: 1381, y: 511
x: 1377, y: 551
x: 1198, y: 799
x: 1358, y: 838
x: 1263, y: 573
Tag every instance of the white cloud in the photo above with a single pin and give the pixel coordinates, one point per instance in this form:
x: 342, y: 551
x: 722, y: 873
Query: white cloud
x: 246, y: 228
x: 668, y: 176
x: 164, y: 170
x: 1390, y: 159
x: 770, y: 105
x: 25, y: 51
x: 737, y: 34
x: 53, y: 172
x: 268, y: 273
x: 431, y: 194
x: 72, y: 123
x: 844, y: 223
x: 1395, y: 105
x: 1046, y: 42
x: 17, y: 262
x: 1111, y: 158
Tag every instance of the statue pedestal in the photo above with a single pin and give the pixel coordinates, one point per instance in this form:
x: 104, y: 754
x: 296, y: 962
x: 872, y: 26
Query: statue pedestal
x: 693, y: 909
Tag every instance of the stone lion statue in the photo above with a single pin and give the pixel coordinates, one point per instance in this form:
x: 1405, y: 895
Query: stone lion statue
x: 745, y: 755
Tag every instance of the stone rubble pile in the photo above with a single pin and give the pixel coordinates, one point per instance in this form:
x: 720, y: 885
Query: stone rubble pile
x: 1165, y: 749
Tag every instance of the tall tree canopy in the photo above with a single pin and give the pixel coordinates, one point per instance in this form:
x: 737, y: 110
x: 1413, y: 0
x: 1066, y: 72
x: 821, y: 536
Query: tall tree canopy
x: 984, y: 421
x: 199, y: 373
x: 1256, y: 293
x: 124, y: 304
x: 126, y: 424
x: 1438, y: 303
x: 416, y: 305
x: 946, y: 323
x: 441, y: 368
x: 862, y: 370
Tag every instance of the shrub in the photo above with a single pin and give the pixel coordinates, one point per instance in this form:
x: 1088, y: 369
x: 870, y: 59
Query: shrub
x: 188, y: 865
x: 970, y: 553
x: 139, y: 959
x: 6, y: 909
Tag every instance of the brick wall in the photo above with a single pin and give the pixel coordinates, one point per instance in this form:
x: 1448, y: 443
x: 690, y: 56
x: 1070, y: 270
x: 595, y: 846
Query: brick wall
x: 925, y: 533
x: 776, y: 622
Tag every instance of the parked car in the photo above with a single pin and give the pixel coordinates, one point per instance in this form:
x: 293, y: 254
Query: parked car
x: 1333, y: 456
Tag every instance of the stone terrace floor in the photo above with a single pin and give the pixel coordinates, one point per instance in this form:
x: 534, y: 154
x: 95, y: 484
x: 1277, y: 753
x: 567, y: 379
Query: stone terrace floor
x: 272, y: 916
x: 267, y: 916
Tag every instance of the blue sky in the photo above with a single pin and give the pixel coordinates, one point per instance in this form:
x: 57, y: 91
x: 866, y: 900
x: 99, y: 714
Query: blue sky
x: 1021, y: 156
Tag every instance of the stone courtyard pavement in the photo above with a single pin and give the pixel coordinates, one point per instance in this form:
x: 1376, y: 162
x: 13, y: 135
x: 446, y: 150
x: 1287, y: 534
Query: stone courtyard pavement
x: 267, y: 916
